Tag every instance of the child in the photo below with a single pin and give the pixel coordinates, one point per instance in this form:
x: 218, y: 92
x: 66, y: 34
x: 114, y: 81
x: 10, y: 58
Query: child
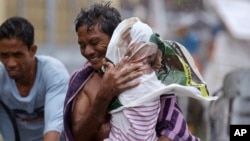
x: 138, y: 123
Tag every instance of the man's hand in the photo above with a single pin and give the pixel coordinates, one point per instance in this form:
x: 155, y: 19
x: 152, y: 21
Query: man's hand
x: 52, y: 136
x: 118, y: 78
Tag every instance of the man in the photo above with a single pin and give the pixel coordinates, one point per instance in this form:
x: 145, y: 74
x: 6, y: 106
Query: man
x: 85, y: 115
x: 91, y: 90
x: 32, y: 88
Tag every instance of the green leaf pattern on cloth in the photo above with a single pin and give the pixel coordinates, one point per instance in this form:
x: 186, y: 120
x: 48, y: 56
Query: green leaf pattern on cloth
x: 176, y: 66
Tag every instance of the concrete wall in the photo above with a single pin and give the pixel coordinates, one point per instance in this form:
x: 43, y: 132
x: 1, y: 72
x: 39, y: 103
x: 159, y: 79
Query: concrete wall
x: 53, y: 19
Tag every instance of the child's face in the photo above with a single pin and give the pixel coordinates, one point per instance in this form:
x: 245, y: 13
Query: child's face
x: 140, y: 52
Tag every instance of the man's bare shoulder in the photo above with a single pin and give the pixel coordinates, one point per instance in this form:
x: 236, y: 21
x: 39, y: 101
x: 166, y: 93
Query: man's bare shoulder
x: 92, y: 86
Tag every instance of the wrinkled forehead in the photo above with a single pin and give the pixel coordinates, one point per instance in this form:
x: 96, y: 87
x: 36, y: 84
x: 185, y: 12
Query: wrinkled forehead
x: 89, y: 29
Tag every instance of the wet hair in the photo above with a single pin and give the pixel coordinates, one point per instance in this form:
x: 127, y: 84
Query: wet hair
x: 19, y: 28
x: 99, y: 13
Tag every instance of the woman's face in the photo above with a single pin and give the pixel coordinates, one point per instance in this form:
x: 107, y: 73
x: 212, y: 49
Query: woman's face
x: 93, y: 44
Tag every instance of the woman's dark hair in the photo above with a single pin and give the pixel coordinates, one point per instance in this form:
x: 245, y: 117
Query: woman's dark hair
x: 99, y: 13
x: 19, y: 28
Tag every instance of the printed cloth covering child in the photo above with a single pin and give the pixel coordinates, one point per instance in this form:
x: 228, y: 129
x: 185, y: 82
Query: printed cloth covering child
x: 180, y: 76
x: 133, y: 117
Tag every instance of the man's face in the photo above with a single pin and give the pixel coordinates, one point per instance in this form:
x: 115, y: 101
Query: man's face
x: 93, y: 44
x: 16, y: 57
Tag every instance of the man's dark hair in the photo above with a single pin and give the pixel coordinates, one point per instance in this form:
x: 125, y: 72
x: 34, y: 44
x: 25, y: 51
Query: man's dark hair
x: 19, y: 28
x: 99, y: 13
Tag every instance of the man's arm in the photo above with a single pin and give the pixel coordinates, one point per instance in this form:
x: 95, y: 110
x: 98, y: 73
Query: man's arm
x: 56, y: 79
x: 163, y: 138
x: 87, y: 120
x: 114, y: 81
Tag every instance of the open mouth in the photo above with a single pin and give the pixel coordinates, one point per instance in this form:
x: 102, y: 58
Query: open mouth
x: 94, y: 59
